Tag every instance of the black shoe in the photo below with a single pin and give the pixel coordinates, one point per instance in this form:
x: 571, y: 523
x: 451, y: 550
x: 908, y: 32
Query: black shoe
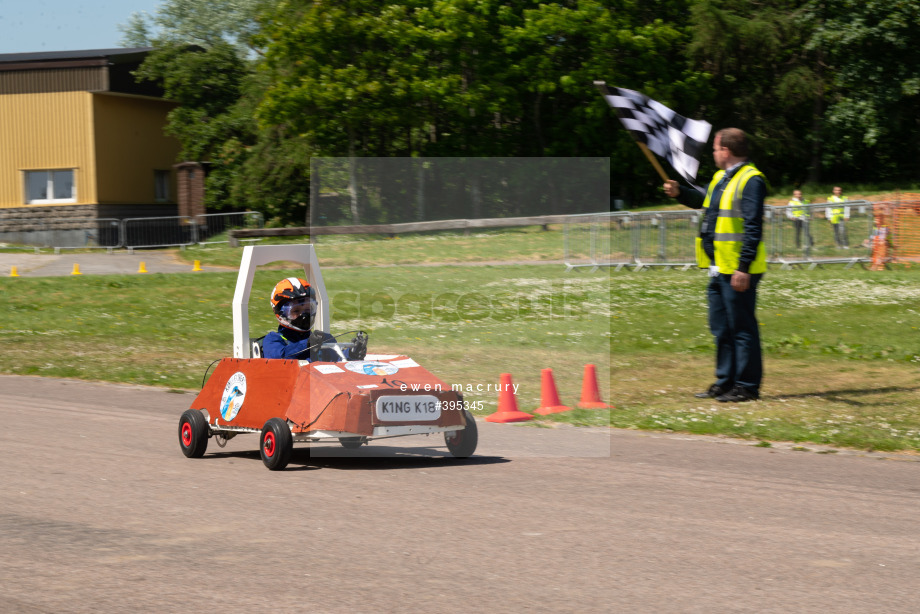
x: 714, y: 391
x: 738, y: 394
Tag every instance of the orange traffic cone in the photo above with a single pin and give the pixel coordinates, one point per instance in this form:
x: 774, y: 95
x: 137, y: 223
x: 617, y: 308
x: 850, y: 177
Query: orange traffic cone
x: 590, y: 395
x: 76, y: 269
x: 549, y: 398
x: 507, y: 404
x: 142, y: 268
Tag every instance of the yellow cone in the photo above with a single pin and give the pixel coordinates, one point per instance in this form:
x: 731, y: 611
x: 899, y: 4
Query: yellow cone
x: 76, y: 269
x: 197, y: 266
x: 14, y: 272
x: 142, y: 268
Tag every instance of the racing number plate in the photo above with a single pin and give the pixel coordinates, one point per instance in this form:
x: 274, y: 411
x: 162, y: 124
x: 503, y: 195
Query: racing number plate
x: 408, y: 408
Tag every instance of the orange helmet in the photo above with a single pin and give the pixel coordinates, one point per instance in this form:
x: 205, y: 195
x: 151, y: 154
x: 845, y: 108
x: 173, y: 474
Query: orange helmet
x: 294, y: 303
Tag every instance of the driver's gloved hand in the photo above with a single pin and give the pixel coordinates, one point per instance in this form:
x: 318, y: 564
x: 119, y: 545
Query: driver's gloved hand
x: 359, y: 351
x: 315, y: 344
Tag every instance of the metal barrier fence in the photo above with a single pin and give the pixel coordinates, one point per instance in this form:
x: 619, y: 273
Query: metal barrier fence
x: 812, y: 239
x: 141, y: 232
x: 211, y: 225
x: 617, y: 239
x: 587, y: 240
x: 664, y: 238
x: 667, y: 238
x: 129, y: 233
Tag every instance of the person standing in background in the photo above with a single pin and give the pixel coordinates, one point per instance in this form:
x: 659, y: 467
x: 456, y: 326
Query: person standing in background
x: 801, y: 218
x: 837, y: 214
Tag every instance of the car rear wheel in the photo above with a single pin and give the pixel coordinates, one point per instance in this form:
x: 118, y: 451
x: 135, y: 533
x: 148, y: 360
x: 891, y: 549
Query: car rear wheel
x: 193, y: 433
x: 276, y: 444
x: 462, y: 444
x: 352, y: 443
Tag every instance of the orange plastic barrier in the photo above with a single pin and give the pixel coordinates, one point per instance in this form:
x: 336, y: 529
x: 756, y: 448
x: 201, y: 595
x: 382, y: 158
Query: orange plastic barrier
x: 905, y: 231
x: 896, y: 231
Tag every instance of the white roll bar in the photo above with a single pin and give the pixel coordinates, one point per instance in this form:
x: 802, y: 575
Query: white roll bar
x: 258, y: 255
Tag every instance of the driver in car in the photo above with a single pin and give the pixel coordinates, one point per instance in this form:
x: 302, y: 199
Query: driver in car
x: 293, y: 302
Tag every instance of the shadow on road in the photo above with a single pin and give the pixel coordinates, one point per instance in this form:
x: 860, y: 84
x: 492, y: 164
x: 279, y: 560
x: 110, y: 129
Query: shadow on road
x: 367, y: 458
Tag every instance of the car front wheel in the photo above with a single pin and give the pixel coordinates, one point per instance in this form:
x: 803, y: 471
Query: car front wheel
x: 276, y: 444
x: 193, y: 433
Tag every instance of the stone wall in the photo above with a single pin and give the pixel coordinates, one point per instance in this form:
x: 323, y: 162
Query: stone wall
x: 76, y: 216
x: 72, y: 225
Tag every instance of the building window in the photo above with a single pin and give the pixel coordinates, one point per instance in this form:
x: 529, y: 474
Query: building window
x: 50, y: 187
x: 161, y: 185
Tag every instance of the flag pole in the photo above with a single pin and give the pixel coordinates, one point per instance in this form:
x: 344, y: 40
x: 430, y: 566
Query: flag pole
x: 651, y: 158
x: 602, y: 86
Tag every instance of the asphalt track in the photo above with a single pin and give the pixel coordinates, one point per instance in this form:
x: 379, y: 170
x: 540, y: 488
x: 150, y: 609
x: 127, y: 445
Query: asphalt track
x: 100, y: 512
x: 29, y: 264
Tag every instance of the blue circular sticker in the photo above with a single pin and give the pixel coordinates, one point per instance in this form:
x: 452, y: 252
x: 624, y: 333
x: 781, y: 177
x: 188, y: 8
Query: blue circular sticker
x: 371, y: 367
x: 234, y: 394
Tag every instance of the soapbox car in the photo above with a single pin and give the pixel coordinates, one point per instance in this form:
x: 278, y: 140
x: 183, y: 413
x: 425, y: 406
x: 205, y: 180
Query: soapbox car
x: 287, y: 401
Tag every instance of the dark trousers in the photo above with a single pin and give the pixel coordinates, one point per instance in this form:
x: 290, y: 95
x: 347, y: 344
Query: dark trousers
x: 802, y: 227
x: 737, y: 337
x: 840, y: 234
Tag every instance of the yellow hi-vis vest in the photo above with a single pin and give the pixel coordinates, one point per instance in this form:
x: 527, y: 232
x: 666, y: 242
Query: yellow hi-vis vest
x: 798, y: 208
x: 837, y: 213
x: 729, y: 231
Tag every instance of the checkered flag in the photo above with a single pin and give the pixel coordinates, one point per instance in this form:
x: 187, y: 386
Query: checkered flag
x: 675, y: 138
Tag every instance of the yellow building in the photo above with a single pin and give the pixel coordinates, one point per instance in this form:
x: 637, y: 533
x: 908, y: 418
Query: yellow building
x: 79, y: 138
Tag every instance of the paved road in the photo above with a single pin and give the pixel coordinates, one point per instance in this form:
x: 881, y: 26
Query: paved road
x: 94, y: 263
x: 29, y: 264
x: 100, y: 512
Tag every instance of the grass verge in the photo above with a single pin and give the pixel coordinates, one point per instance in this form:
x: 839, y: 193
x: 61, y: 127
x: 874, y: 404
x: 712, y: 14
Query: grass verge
x: 466, y: 324
x: 842, y: 347
x: 525, y: 244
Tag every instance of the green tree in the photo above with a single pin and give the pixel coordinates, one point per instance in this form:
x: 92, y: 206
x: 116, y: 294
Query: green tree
x: 472, y: 77
x: 195, y: 22
x: 208, y: 85
x: 626, y: 43
x: 873, y: 50
x: 461, y: 78
x: 204, y: 58
x: 764, y: 79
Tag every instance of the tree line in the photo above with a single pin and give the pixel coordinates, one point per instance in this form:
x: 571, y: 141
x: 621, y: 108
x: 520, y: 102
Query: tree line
x: 827, y: 89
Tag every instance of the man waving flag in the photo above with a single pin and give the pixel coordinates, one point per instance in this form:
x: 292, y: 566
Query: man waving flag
x: 655, y: 127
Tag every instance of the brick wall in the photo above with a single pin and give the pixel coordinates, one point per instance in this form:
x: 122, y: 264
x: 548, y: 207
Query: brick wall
x: 190, y: 183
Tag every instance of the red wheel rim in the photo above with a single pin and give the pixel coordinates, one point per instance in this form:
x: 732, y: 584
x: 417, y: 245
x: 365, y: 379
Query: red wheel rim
x: 186, y: 434
x: 269, y: 444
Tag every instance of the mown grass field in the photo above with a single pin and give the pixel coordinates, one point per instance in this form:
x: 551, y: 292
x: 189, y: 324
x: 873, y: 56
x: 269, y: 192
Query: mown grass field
x: 842, y: 358
x: 524, y: 244
x: 466, y: 324
x: 842, y: 347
